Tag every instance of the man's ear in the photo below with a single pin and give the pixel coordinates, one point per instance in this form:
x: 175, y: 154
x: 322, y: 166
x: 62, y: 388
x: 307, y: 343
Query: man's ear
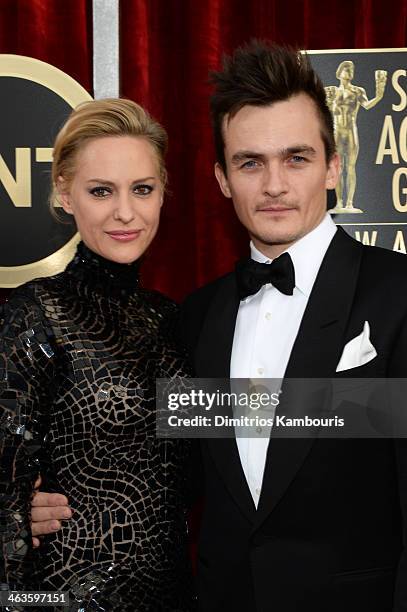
x: 64, y: 195
x: 222, y: 180
x: 333, y: 171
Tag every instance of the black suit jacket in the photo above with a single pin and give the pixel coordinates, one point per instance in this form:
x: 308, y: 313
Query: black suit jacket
x: 328, y: 531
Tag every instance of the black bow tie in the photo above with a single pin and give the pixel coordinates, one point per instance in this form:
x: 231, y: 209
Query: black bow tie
x: 252, y: 275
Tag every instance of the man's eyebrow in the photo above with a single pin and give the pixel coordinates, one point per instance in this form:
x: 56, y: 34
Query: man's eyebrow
x: 240, y: 156
x: 308, y: 150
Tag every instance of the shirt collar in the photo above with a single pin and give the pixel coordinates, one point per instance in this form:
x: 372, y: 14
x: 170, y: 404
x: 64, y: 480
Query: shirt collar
x: 307, y: 254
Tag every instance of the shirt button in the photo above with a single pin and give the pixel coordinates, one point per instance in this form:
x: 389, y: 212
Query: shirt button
x: 258, y: 492
x: 259, y: 430
x: 260, y: 371
x: 268, y: 316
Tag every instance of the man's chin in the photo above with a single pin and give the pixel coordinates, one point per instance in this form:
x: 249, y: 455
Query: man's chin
x: 283, y: 239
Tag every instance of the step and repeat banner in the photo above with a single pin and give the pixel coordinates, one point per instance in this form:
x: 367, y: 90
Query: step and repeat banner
x: 367, y: 95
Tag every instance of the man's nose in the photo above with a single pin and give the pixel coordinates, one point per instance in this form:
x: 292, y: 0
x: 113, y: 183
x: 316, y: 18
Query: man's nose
x: 275, y: 180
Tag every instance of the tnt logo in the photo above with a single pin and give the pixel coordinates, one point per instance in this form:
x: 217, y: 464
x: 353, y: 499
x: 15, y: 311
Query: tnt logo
x: 36, y: 100
x: 18, y: 187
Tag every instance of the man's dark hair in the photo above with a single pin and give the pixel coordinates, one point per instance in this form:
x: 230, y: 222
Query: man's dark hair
x: 259, y: 74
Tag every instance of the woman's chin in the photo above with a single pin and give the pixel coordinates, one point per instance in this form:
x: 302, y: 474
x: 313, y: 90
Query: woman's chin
x: 119, y: 253
x: 123, y: 255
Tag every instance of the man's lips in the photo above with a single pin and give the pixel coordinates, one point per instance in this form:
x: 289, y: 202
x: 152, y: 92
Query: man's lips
x: 276, y: 208
x: 124, y: 235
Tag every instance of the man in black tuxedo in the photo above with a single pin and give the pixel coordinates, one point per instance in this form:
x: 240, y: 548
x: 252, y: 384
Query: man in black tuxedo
x: 295, y: 525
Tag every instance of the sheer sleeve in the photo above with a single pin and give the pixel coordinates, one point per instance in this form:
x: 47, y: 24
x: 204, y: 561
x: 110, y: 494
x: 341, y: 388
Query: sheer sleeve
x: 26, y: 387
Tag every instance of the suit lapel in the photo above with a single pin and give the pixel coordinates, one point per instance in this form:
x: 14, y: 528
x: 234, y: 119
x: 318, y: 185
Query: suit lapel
x: 315, y: 354
x: 318, y: 345
x: 212, y: 360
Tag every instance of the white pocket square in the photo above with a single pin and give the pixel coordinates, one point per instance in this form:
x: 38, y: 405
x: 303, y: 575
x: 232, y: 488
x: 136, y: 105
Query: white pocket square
x: 357, y: 351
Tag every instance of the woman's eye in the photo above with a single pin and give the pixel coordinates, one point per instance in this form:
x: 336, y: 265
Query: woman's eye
x: 100, y: 192
x: 143, y: 190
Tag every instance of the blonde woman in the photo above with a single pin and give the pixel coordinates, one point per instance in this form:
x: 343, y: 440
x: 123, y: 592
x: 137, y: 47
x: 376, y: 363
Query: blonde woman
x: 80, y: 353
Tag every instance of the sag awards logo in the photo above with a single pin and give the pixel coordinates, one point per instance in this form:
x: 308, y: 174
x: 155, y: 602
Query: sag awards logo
x: 367, y: 95
x: 36, y: 99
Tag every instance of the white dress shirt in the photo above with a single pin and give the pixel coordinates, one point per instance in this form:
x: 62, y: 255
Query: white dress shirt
x: 267, y: 325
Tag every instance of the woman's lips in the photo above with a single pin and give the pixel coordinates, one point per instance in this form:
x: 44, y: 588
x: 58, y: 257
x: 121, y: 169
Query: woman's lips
x: 124, y: 236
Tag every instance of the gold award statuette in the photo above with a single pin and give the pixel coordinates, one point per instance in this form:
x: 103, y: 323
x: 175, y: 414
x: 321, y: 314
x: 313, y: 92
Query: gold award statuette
x: 344, y: 102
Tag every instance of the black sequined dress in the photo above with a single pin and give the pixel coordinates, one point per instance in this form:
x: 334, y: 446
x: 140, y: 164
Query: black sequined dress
x: 79, y: 356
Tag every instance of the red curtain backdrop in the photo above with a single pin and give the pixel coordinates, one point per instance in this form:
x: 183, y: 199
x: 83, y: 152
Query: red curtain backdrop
x: 167, y: 48
x: 59, y: 33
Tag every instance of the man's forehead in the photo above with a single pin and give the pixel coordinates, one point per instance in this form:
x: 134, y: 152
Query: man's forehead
x: 297, y: 103
x: 292, y: 121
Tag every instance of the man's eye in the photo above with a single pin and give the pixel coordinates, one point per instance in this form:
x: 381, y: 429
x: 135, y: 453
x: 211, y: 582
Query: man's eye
x: 297, y: 159
x: 251, y: 163
x: 143, y: 190
x: 100, y: 192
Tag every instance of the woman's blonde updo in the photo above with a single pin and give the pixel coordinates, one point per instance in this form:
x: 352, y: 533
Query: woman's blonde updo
x: 99, y: 118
